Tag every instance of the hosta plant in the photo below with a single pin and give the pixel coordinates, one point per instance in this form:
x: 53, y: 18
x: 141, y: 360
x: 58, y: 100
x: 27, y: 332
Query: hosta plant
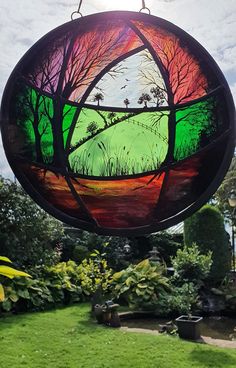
x: 7, y: 270
x: 140, y: 285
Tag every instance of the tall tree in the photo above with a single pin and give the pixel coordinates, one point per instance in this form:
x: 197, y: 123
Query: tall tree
x: 158, y: 95
x: 206, y: 229
x: 144, y: 98
x: 98, y: 97
x: 126, y: 102
x: 221, y: 196
x: 27, y: 234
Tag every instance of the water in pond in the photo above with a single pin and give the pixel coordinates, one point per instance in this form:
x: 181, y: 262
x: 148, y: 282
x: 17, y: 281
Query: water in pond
x: 215, y: 327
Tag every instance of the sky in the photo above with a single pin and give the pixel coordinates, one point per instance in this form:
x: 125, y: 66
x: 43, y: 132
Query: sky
x: 23, y: 22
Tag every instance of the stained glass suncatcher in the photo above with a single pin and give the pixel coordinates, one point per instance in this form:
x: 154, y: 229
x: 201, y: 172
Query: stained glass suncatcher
x: 118, y: 123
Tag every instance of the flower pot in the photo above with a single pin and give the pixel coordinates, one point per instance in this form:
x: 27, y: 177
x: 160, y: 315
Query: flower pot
x: 189, y: 327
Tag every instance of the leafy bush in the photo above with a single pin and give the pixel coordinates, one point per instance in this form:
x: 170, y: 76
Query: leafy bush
x: 140, y: 285
x: 206, y: 229
x: 179, y: 300
x: 80, y: 252
x: 94, y: 274
x: 49, y: 287
x: 7, y: 270
x: 63, y: 281
x: 26, y: 294
x: 191, y: 266
x: 190, y: 269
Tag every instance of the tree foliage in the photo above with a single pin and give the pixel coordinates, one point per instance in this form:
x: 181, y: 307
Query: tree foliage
x: 222, y: 194
x: 28, y: 235
x: 206, y: 229
x: 167, y: 244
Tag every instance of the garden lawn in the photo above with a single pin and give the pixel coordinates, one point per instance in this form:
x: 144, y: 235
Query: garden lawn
x: 68, y: 338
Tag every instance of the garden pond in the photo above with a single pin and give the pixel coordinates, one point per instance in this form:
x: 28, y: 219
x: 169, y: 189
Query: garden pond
x: 215, y: 327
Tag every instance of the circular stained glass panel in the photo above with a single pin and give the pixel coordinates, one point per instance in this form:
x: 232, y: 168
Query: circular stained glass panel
x: 119, y: 123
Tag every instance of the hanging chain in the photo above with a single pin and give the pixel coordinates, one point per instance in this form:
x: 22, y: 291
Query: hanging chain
x: 77, y: 11
x: 144, y: 7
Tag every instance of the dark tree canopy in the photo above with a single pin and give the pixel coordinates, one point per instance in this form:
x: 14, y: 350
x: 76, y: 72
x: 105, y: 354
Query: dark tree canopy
x: 222, y: 194
x: 206, y: 229
x: 28, y: 235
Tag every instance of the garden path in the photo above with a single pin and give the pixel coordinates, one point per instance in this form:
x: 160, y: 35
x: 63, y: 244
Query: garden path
x: 204, y: 339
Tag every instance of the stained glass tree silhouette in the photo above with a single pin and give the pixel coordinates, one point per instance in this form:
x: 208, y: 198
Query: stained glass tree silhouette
x: 98, y: 97
x: 144, y: 99
x: 126, y: 102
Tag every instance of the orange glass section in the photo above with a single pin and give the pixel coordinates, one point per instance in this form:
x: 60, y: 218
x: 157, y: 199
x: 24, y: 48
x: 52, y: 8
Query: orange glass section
x: 123, y: 203
x: 54, y: 188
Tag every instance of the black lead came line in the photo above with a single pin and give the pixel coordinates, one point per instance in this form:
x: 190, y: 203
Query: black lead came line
x: 124, y: 109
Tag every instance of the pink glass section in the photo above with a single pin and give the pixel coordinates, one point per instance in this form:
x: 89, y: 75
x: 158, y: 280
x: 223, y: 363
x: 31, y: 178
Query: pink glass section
x: 69, y: 64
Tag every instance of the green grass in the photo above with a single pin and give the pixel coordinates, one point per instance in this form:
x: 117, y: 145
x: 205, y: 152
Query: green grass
x: 67, y: 338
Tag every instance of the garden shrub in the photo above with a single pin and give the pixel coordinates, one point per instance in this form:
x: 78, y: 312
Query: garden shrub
x: 206, y: 229
x: 80, y: 252
x: 63, y: 281
x: 140, y: 285
x: 26, y: 294
x: 191, y: 266
x: 94, y: 274
x: 7, y: 270
x: 48, y: 287
x: 179, y: 300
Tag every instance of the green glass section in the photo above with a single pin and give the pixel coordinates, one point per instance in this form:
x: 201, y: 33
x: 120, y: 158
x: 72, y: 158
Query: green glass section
x: 197, y: 126
x: 33, y: 113
x: 68, y: 115
x: 45, y: 128
x: 113, y: 144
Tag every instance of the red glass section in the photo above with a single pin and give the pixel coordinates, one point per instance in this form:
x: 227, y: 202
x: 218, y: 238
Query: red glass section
x: 54, y: 188
x: 182, y: 70
x: 188, y: 180
x: 123, y: 203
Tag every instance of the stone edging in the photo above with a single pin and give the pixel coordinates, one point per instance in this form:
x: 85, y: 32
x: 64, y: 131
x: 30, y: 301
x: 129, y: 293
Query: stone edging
x: 204, y: 339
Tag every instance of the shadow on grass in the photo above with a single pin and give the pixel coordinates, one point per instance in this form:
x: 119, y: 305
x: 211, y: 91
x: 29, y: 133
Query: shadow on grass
x: 213, y: 358
x: 11, y: 320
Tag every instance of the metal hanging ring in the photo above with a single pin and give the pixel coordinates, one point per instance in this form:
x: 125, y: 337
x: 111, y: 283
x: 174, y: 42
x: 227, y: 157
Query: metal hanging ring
x: 76, y: 12
x: 145, y: 8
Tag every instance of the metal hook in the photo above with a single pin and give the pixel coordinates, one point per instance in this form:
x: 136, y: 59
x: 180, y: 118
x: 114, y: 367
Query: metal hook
x: 77, y: 11
x: 144, y: 7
